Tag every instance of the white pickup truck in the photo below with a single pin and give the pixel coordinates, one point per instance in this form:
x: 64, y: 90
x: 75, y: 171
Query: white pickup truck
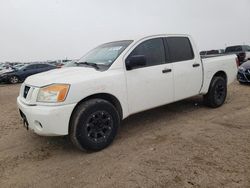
x: 88, y: 99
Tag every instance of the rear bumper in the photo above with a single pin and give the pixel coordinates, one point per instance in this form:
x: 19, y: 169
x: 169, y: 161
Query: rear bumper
x: 47, y: 120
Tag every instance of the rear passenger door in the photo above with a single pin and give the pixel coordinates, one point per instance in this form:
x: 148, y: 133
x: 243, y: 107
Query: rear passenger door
x: 187, y: 69
x: 150, y: 85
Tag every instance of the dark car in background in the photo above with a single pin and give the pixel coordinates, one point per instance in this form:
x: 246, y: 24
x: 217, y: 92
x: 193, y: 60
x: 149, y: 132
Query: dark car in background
x: 242, y: 51
x: 20, y: 74
x: 212, y: 52
x: 244, y: 73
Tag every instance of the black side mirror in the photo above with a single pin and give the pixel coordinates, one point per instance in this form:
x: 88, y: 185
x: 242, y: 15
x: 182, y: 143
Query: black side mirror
x: 135, y: 61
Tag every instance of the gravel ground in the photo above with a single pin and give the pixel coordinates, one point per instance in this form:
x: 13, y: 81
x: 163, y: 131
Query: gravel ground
x: 180, y: 145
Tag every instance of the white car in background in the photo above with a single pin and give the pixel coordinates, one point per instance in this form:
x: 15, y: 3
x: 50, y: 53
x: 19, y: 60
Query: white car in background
x: 6, y: 69
x: 89, y: 100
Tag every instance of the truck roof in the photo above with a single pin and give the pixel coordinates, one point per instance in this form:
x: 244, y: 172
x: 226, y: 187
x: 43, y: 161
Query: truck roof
x: 142, y: 36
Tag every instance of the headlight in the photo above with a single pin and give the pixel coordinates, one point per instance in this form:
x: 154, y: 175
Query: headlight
x: 53, y: 93
x: 242, y: 69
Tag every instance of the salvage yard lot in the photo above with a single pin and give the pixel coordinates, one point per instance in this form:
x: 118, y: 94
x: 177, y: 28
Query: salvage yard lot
x: 184, y: 144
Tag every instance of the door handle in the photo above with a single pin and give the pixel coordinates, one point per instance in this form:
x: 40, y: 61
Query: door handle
x: 166, y: 70
x: 196, y: 65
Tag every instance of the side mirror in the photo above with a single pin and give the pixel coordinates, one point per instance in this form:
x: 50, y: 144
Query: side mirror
x: 135, y: 61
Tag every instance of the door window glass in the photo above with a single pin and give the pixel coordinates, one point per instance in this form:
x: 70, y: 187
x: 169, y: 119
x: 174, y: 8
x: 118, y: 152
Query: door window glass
x: 180, y: 49
x: 153, y: 50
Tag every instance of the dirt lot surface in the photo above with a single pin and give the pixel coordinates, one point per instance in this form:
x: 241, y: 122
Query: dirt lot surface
x: 180, y: 145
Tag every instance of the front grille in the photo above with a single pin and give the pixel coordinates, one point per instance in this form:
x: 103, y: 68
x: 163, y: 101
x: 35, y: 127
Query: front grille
x: 26, y: 91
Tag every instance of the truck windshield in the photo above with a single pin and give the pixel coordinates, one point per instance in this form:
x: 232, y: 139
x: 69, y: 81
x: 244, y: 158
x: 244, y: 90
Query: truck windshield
x: 104, y: 55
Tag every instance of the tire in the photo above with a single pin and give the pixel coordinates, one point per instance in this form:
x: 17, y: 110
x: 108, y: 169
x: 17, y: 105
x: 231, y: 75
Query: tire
x: 13, y: 79
x: 94, y: 125
x: 217, y: 93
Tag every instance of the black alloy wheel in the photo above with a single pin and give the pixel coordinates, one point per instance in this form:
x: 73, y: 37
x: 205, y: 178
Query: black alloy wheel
x: 217, y: 92
x: 99, y: 126
x: 94, y: 125
x: 220, y: 92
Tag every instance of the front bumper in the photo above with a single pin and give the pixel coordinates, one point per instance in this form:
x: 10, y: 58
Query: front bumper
x: 243, y: 77
x: 47, y: 120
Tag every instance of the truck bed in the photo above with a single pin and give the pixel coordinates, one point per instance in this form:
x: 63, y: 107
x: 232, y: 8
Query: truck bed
x: 214, y: 64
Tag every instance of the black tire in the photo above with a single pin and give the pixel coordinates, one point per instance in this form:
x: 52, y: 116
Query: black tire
x: 217, y: 93
x: 13, y: 79
x: 94, y: 125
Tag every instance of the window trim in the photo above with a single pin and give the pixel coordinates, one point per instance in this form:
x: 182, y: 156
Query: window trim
x: 190, y: 44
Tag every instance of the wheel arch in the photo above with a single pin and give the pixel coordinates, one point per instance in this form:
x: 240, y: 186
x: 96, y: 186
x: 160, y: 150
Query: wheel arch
x: 222, y: 74
x: 105, y: 96
x: 208, y: 81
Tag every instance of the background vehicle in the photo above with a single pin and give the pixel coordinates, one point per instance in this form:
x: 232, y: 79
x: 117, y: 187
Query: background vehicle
x: 60, y: 63
x: 20, y: 74
x: 2, y: 66
x: 242, y: 52
x: 212, y: 52
x: 19, y: 66
x: 5, y: 69
x: 244, y: 73
x: 118, y: 79
x: 70, y: 64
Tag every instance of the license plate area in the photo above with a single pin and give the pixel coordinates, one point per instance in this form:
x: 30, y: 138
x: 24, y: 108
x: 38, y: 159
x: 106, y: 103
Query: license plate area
x: 24, y: 119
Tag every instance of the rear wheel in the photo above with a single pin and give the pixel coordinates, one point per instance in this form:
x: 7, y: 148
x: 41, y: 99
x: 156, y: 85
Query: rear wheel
x: 217, y: 93
x: 94, y: 125
x: 13, y: 80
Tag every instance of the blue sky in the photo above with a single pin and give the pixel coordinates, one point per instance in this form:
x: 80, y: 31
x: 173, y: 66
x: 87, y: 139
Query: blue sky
x: 54, y: 29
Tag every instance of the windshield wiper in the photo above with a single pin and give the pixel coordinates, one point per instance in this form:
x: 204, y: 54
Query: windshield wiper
x: 88, y: 64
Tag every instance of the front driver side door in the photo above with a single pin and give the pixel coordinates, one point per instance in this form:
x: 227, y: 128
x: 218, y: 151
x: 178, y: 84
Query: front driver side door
x: 151, y: 85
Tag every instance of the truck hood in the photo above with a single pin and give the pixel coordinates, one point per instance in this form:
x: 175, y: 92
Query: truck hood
x: 66, y: 75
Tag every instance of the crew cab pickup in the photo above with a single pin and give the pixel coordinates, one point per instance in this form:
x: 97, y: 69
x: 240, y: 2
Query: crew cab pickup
x: 88, y: 99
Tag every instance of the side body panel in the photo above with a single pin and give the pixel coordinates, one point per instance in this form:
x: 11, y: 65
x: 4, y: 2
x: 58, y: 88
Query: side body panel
x: 213, y: 65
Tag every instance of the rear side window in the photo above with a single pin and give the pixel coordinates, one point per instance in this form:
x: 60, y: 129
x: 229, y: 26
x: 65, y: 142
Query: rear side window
x: 153, y: 50
x: 180, y: 49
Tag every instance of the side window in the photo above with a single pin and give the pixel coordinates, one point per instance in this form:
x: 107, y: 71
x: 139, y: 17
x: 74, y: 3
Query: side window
x: 30, y: 67
x: 180, y: 49
x: 40, y: 66
x: 153, y: 50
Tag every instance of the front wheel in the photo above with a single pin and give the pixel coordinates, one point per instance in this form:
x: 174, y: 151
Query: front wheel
x: 13, y: 80
x: 217, y: 93
x: 94, y: 125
